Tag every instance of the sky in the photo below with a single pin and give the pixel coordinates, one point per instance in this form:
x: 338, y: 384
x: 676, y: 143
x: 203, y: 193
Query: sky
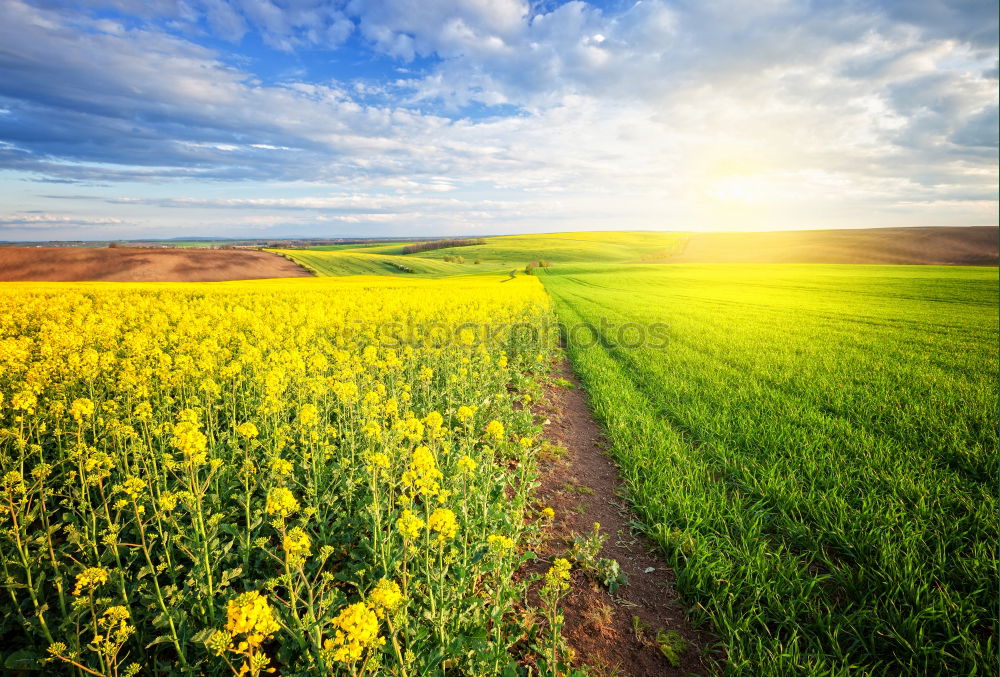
x: 124, y: 119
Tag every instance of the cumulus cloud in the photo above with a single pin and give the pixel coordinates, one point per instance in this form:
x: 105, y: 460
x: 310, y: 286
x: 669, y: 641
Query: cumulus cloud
x: 681, y: 115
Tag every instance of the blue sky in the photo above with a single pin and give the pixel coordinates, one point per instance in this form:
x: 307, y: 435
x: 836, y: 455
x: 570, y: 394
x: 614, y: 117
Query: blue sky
x: 281, y: 118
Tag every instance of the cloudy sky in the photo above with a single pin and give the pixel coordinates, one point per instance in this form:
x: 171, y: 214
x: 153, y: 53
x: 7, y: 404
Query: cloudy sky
x: 268, y: 118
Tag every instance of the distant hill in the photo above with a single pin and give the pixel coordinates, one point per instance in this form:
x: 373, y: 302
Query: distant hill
x: 959, y: 246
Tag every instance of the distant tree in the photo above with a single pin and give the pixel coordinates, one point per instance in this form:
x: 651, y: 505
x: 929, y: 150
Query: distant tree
x: 440, y: 244
x: 113, y: 245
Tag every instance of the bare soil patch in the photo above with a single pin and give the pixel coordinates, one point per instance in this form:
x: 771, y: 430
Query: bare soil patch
x: 583, y: 488
x: 121, y: 264
x: 959, y: 246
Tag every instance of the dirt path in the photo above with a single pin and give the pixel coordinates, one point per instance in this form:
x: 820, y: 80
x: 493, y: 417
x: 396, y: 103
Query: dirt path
x: 583, y: 487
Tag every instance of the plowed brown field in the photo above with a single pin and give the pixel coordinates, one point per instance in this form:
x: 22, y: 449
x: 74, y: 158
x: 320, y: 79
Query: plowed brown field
x: 51, y: 264
x: 959, y: 246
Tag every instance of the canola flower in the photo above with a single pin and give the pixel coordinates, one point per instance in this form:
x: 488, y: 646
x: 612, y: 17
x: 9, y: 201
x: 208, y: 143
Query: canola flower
x: 557, y: 577
x: 297, y: 544
x: 282, y: 502
x: 81, y: 408
x: 355, y: 631
x: 247, y: 430
x: 378, y: 461
x: 385, y: 597
x: 423, y: 475
x: 249, y: 623
x: 90, y: 578
x: 309, y: 415
x: 495, y: 430
x: 409, y: 525
x: 190, y: 441
x: 250, y: 615
x: 442, y: 522
x: 133, y: 486
x: 500, y: 543
x: 194, y: 443
x: 282, y: 467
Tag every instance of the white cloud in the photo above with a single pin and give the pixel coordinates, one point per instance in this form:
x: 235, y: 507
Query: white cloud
x: 689, y: 115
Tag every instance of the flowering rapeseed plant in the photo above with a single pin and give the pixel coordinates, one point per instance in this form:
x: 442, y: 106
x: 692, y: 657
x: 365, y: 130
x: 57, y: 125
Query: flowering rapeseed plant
x: 232, y: 477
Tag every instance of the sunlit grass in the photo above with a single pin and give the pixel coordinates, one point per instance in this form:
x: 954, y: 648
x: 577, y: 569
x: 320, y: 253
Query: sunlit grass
x: 815, y: 450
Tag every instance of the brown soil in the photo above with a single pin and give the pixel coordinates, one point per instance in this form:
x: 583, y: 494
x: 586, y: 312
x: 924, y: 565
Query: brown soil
x: 51, y: 264
x: 959, y: 246
x: 583, y: 488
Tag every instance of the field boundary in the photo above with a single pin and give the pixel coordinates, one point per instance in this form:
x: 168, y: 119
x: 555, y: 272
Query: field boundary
x: 582, y: 484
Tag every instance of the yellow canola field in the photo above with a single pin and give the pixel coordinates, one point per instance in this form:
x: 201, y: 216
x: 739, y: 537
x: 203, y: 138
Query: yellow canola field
x: 313, y: 476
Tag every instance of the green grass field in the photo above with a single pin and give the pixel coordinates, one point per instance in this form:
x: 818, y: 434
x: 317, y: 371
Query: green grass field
x: 360, y: 262
x: 517, y: 250
x: 815, y: 449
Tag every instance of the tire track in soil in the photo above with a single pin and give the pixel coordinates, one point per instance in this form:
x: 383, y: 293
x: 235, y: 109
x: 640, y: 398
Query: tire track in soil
x: 598, y: 625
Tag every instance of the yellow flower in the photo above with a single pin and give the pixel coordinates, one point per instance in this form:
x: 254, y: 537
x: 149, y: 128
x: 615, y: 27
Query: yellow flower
x: 434, y: 420
x: 24, y: 401
x: 385, y: 597
x: 219, y: 642
x: 297, y: 544
x: 423, y: 474
x: 443, y: 522
x: 557, y: 577
x: 281, y: 501
x: 143, y: 411
x: 466, y: 464
x: 378, y: 461
x: 89, y: 578
x: 281, y: 467
x: 409, y: 525
x: 133, y: 486
x: 465, y: 413
x: 188, y: 416
x: 345, y: 392
x: 373, y: 429
x: 250, y: 615
x: 14, y: 482
x: 548, y: 513
x: 500, y: 543
x: 247, y: 431
x: 356, y: 631
x: 188, y: 439
x: 81, y: 408
x: 113, y: 623
x: 308, y: 415
x: 494, y: 429
x: 413, y: 429
x: 168, y: 501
